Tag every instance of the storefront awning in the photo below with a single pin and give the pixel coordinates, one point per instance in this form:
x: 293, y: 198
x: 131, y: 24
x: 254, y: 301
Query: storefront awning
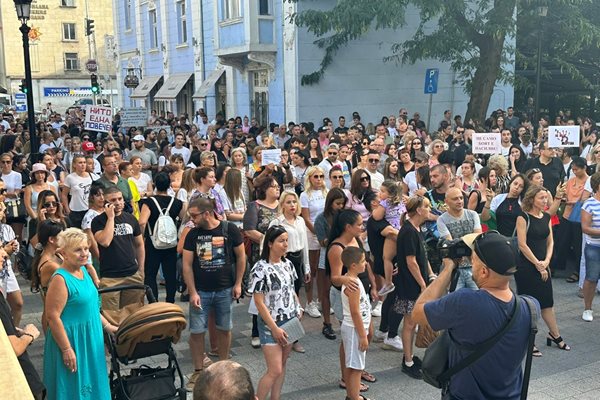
x: 172, y: 86
x: 209, y: 83
x: 146, y: 85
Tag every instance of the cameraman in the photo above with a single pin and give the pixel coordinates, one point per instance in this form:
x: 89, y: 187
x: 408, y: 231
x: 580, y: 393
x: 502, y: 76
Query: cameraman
x: 473, y: 316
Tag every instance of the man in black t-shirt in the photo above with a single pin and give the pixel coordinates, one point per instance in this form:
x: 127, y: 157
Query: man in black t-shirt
x: 214, y: 262
x: 550, y: 165
x: 119, y: 238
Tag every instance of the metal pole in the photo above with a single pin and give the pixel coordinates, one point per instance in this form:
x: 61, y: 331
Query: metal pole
x: 429, y: 113
x: 33, y: 138
x: 89, y: 40
x: 538, y: 78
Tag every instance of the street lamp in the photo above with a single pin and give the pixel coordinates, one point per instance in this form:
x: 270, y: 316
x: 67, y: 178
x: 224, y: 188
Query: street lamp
x: 23, y: 8
x: 542, y: 13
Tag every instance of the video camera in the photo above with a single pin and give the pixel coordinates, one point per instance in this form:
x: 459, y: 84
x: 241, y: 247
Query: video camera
x: 453, y: 249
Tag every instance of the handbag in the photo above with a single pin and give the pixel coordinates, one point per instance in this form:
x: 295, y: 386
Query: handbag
x: 575, y: 215
x: 294, y: 329
x: 435, y: 367
x: 15, y: 209
x: 425, y: 336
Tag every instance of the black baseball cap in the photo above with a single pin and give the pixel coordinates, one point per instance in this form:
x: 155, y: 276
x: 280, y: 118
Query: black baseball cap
x: 495, y: 250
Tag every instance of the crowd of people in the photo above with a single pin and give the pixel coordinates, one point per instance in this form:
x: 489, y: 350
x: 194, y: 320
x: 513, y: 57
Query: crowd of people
x: 346, y: 225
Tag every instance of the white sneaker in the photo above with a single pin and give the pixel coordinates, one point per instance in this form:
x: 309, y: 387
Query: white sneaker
x: 588, y: 316
x: 376, y: 312
x: 387, y: 289
x: 379, y: 336
x: 312, y: 310
x: 255, y: 343
x: 331, y: 312
x: 394, y: 344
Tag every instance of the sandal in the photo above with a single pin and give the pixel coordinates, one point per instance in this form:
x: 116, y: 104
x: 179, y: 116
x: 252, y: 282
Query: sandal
x: 560, y: 343
x: 573, y: 278
x: 365, y: 376
x: 363, y: 387
x: 536, y: 352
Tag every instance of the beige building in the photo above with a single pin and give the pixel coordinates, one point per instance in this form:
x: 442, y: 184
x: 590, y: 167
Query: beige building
x: 59, y: 50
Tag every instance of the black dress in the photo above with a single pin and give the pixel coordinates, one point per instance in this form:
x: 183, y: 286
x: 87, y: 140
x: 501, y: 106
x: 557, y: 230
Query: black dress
x: 528, y: 278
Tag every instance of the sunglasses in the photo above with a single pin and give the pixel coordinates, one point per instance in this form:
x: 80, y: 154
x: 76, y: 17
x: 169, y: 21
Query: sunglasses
x: 203, y: 144
x: 373, y: 160
x: 6, y: 162
x: 50, y: 204
x: 337, y: 177
x: 333, y: 154
x: 318, y: 176
x: 365, y: 178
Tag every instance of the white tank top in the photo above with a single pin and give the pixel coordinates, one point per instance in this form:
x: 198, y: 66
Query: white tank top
x: 364, y: 306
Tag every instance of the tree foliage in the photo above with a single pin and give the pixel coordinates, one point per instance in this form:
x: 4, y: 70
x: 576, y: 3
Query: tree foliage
x: 570, y: 43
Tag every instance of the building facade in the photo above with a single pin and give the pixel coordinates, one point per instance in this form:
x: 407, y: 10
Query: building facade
x: 245, y: 58
x: 59, y: 50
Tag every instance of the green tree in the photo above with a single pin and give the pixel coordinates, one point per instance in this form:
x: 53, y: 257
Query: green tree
x: 469, y: 35
x: 570, y: 47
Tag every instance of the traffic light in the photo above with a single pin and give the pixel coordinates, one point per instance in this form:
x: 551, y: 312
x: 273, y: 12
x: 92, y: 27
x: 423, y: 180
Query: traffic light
x: 23, y: 86
x: 89, y: 26
x: 94, y: 83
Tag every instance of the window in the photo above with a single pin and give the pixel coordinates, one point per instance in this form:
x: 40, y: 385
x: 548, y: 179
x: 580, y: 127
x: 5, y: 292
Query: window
x: 182, y: 26
x: 264, y: 7
x: 71, y: 62
x: 127, y: 4
x: 69, y: 31
x: 153, y: 30
x: 67, y: 3
x: 231, y: 9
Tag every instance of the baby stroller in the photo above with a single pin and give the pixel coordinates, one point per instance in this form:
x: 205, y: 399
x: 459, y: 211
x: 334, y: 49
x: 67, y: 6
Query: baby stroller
x: 144, y: 331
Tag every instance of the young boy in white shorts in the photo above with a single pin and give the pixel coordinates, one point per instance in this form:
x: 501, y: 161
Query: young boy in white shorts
x: 357, y: 329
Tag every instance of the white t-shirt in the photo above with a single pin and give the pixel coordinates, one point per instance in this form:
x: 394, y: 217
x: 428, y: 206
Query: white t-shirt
x: 410, y: 180
x: 314, y: 201
x: 86, y: 222
x: 13, y: 181
x: 141, y: 183
x: 185, y: 153
x: 80, y: 191
x: 376, y: 179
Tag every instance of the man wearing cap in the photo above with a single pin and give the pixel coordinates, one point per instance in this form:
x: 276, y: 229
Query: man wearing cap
x: 329, y: 162
x: 473, y: 316
x: 149, y: 160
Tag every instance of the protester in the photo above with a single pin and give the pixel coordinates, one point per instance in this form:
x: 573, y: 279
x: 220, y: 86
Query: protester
x: 74, y: 350
x: 74, y: 196
x: 272, y: 286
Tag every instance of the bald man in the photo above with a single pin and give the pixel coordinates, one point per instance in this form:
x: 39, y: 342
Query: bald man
x: 455, y: 223
x: 224, y: 380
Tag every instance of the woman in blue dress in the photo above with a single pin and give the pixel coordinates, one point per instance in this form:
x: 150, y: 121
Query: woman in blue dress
x: 74, y: 365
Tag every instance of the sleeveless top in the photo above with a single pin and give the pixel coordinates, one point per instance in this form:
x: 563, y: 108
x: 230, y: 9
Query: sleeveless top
x: 364, y: 277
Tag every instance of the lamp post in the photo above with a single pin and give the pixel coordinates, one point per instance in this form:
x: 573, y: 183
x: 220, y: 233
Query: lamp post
x: 23, y: 13
x: 542, y: 13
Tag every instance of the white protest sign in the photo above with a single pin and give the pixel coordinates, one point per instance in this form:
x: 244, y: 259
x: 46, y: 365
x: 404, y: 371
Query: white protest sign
x: 563, y: 136
x: 486, y: 143
x: 134, y: 116
x: 159, y: 127
x: 98, y: 118
x: 271, y: 156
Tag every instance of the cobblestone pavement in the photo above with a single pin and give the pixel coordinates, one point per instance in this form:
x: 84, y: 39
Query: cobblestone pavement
x: 314, y: 375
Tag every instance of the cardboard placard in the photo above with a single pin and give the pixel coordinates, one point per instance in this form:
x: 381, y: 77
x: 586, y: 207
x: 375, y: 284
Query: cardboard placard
x: 563, y: 136
x: 98, y: 118
x: 486, y: 143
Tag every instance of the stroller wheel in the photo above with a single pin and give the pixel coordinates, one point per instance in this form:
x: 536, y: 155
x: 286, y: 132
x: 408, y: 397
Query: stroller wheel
x: 182, y: 393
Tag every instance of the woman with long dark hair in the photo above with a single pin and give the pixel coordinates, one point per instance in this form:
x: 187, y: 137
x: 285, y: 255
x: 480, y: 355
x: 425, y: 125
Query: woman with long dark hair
x: 506, y: 206
x: 346, y: 231
x: 272, y: 285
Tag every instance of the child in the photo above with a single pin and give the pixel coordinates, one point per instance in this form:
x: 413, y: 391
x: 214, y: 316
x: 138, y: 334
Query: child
x: 357, y: 329
x: 391, y: 208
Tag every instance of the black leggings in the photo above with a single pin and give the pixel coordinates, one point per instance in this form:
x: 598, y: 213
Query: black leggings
x: 154, y: 259
x: 390, y: 320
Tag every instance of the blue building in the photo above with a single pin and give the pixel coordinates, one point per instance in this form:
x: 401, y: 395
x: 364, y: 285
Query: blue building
x: 244, y: 58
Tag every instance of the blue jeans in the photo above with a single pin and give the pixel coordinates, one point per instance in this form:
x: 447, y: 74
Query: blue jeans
x: 592, y: 262
x: 465, y: 279
x: 221, y: 302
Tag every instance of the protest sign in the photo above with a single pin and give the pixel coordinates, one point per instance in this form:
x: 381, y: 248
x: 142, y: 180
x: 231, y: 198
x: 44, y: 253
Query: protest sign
x: 159, y: 127
x: 98, y: 118
x: 486, y: 143
x: 271, y: 156
x: 134, y: 116
x: 563, y: 136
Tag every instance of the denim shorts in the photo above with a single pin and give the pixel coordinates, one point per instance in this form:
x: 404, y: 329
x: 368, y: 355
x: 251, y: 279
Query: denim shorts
x: 264, y: 333
x: 221, y: 302
x: 592, y: 262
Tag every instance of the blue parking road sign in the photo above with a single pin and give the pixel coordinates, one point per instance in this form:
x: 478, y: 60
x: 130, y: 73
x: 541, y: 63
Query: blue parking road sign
x: 431, y: 80
x: 20, y: 102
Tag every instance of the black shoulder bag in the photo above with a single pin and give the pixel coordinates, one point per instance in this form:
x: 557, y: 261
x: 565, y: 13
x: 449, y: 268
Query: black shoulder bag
x: 435, y: 368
